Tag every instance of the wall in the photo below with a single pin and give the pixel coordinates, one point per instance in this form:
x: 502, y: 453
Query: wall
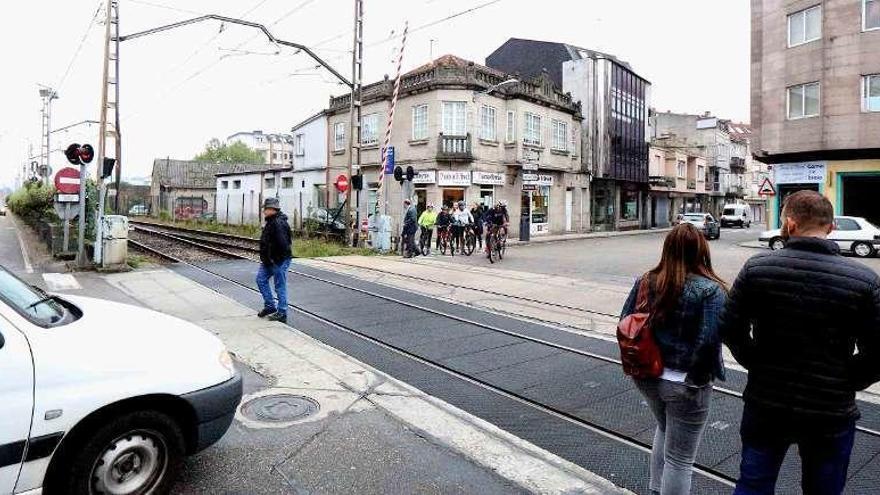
x: 244, y: 205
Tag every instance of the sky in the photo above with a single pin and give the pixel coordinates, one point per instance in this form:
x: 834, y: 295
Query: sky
x: 180, y: 88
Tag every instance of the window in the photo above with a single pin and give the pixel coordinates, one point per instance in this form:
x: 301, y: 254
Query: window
x: 541, y: 205
x: 370, y: 129
x: 339, y: 136
x: 236, y: 184
x: 420, y: 122
x: 701, y: 173
x: 32, y: 303
x: 803, y: 100
x: 846, y: 224
x: 871, y: 92
x: 224, y: 184
x: 298, y: 146
x: 560, y: 135
x: 532, y: 131
x: 488, y: 128
x: 805, y: 26
x: 870, y: 14
x: 270, y: 182
x: 629, y: 205
x: 453, y: 119
x: 682, y: 169
x: 511, y: 127
x: 287, y: 183
x: 274, y: 156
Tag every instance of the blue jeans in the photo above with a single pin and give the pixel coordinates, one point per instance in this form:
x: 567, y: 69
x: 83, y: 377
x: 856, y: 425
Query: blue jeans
x: 824, y: 454
x: 279, y: 274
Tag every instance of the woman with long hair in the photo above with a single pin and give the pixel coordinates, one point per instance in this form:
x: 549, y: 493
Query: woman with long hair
x: 684, y: 300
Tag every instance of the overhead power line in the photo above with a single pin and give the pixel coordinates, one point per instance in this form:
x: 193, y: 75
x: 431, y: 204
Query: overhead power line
x: 79, y: 47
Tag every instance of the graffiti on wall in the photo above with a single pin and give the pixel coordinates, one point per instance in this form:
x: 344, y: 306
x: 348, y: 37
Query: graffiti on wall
x: 190, y: 208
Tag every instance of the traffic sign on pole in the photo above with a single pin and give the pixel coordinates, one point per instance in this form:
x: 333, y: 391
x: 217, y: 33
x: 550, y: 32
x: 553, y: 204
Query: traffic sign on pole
x: 767, y: 188
x: 342, y: 183
x: 67, y: 181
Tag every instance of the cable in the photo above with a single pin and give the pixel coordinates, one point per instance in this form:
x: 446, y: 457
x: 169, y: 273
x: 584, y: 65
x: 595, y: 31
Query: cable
x: 79, y: 48
x: 167, y: 7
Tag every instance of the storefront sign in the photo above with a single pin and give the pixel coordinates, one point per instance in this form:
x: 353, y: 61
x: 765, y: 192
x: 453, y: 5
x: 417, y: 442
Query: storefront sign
x: 538, y: 179
x: 453, y: 178
x: 488, y: 178
x: 533, y: 166
x: 425, y: 177
x: 800, y: 173
x: 529, y: 187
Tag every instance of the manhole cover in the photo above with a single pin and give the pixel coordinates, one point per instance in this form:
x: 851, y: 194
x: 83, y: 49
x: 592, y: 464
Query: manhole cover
x: 280, y: 408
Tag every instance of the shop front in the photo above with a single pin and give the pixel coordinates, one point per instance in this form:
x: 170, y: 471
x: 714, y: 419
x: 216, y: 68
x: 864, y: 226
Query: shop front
x: 535, y: 201
x: 487, y: 183
x: 792, y: 177
x: 453, y: 185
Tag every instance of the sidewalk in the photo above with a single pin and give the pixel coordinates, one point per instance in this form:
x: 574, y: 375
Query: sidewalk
x: 370, y: 434
x: 573, y: 236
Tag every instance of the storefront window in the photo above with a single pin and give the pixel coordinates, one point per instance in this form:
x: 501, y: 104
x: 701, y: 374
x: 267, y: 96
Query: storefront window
x: 421, y: 199
x: 541, y: 205
x: 629, y: 205
x: 372, y: 201
x: 487, y: 195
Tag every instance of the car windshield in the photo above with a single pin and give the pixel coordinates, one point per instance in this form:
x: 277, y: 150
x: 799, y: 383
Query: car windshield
x: 34, y: 304
x: 729, y: 211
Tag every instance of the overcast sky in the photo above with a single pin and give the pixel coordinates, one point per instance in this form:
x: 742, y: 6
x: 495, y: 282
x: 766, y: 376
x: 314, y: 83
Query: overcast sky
x: 181, y: 88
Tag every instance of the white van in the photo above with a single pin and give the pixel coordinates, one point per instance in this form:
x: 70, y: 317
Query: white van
x: 736, y: 214
x: 100, y: 397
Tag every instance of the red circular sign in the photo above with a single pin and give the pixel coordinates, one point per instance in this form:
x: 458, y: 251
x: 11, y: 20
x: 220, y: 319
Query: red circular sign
x: 67, y: 181
x: 342, y: 183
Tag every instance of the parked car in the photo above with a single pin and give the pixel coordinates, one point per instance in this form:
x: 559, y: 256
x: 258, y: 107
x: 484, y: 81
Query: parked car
x: 3, y: 211
x: 853, y: 234
x: 704, y: 222
x: 325, y: 220
x: 736, y: 215
x: 101, y: 397
x: 137, y: 210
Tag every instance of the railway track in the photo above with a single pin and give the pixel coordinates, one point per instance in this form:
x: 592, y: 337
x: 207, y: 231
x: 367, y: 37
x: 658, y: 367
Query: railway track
x: 178, y: 248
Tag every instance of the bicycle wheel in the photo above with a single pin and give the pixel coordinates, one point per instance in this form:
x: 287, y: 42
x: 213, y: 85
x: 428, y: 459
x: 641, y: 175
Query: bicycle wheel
x: 502, y: 246
x: 490, y: 248
x: 470, y: 243
x: 443, y: 245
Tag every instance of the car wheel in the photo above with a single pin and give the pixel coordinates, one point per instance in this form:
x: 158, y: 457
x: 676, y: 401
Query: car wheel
x: 862, y: 249
x: 137, y: 453
x: 777, y: 243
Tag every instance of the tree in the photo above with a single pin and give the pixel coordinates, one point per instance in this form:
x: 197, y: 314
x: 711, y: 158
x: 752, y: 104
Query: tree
x: 237, y: 152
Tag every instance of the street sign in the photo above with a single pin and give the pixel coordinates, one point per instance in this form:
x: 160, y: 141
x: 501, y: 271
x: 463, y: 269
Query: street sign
x: 67, y: 181
x: 342, y: 183
x: 767, y: 188
x: 530, y: 166
x: 389, y: 161
x: 64, y: 211
x: 67, y: 198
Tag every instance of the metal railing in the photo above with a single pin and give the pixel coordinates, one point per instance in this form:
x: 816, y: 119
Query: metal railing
x: 454, y: 148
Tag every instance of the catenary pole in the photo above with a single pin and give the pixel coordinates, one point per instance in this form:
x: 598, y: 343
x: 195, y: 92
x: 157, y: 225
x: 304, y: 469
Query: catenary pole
x: 357, y: 53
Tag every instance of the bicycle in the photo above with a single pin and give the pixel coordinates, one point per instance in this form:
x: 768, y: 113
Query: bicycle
x: 444, y: 235
x: 470, y: 240
x: 496, y: 244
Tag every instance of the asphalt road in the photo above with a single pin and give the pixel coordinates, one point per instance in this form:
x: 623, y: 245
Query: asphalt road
x: 618, y: 260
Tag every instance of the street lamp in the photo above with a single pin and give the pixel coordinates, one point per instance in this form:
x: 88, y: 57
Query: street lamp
x: 495, y: 86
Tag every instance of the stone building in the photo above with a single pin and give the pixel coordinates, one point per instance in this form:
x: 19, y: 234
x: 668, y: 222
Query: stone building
x: 816, y: 100
x: 277, y: 149
x: 677, y: 176
x: 469, y: 137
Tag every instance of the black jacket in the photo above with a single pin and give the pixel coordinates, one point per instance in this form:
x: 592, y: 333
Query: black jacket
x: 793, y: 319
x: 275, y: 240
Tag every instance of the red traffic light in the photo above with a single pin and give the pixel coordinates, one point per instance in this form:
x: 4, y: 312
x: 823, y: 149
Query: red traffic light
x: 72, y: 153
x: 86, y: 153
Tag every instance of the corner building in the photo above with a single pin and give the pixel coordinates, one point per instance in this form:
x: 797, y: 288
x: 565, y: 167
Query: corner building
x: 471, y: 138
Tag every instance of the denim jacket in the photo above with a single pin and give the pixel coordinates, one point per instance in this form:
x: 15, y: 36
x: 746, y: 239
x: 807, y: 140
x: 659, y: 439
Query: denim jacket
x: 689, y: 339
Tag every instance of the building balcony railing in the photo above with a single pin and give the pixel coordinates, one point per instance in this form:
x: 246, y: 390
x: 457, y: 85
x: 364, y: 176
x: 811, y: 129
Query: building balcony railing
x: 454, y: 148
x: 736, y: 190
x: 737, y: 164
x: 692, y: 183
x: 662, y: 181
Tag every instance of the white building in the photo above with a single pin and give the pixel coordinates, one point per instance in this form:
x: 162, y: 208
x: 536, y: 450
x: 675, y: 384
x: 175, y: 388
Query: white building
x: 240, y: 195
x: 277, y: 149
x: 310, y: 153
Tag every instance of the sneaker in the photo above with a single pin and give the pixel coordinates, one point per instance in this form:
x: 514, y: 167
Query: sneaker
x: 265, y: 312
x: 282, y: 317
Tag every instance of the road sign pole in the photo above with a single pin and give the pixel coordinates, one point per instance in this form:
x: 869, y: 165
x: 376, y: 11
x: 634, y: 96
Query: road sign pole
x: 66, y: 227
x: 81, y: 257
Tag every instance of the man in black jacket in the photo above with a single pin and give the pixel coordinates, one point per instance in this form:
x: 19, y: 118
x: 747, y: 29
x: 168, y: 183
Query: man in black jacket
x: 275, y: 256
x: 794, y: 319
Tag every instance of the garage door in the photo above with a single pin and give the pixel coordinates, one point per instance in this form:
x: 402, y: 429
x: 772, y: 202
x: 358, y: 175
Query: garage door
x: 860, y: 197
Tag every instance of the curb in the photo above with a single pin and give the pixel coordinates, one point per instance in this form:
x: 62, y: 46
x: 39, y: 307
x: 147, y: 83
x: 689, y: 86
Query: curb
x: 591, y: 235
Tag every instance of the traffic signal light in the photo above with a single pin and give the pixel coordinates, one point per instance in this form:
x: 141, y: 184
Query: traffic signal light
x: 107, y: 171
x: 357, y: 182
x: 79, y: 155
x: 72, y: 153
x: 398, y: 174
x: 410, y: 173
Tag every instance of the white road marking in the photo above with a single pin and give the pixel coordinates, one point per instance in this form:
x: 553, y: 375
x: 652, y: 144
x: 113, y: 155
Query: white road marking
x: 61, y: 281
x: 24, y: 255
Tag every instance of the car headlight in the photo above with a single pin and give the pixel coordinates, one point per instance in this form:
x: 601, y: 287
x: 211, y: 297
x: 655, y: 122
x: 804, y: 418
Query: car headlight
x: 225, y: 360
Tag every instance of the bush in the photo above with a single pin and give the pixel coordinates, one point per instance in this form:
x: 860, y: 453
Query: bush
x: 33, y: 203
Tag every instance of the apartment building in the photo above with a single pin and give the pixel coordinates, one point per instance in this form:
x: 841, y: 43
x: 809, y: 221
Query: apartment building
x: 677, y: 176
x: 276, y: 148
x: 471, y: 134
x: 816, y: 100
x: 615, y: 101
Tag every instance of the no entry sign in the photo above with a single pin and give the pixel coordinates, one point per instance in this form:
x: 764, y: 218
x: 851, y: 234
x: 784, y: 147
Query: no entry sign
x: 67, y: 181
x: 342, y: 183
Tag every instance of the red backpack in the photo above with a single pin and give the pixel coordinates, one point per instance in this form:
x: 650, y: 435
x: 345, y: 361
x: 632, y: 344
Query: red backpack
x: 639, y: 352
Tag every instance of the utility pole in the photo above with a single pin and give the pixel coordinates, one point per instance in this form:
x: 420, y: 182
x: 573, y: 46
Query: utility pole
x: 47, y: 94
x: 109, y: 126
x: 357, y: 71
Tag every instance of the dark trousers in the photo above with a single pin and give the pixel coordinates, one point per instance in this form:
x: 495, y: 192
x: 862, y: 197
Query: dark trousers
x: 824, y: 452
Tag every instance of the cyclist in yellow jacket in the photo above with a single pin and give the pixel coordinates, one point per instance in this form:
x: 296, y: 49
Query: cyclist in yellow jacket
x: 427, y: 220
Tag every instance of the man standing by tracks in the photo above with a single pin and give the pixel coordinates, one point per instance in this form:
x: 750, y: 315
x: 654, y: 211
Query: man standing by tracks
x: 275, y: 256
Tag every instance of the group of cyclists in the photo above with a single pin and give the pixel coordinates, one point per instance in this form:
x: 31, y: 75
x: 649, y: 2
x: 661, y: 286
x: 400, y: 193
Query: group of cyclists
x: 459, y: 228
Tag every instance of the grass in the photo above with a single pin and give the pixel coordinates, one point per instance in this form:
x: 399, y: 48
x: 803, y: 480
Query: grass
x: 319, y: 248
x: 135, y: 261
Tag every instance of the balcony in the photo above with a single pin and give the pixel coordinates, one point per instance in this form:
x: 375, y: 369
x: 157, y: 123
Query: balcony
x: 737, y: 165
x: 662, y: 181
x: 738, y: 191
x: 692, y: 183
x: 454, y: 148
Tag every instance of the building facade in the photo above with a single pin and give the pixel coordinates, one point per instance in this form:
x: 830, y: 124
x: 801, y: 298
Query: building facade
x: 470, y: 138
x: 615, y: 102
x: 277, y: 149
x: 240, y: 195
x: 310, y: 172
x: 816, y: 100
x: 677, y: 177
